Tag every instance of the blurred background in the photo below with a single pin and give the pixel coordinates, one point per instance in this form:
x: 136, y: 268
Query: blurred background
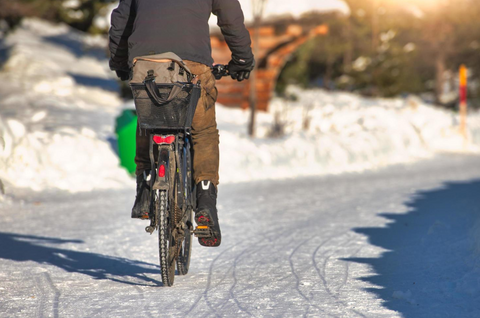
x: 350, y: 85
x: 373, y: 47
x: 349, y: 171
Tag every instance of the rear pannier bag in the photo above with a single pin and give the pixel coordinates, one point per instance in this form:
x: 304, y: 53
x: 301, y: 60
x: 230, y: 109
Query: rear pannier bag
x: 164, y: 95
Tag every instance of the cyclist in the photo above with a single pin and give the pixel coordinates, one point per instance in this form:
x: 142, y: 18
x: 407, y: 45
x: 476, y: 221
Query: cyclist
x: 143, y: 27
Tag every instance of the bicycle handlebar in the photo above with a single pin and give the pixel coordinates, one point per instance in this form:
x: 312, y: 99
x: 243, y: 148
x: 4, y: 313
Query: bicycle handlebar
x: 220, y: 70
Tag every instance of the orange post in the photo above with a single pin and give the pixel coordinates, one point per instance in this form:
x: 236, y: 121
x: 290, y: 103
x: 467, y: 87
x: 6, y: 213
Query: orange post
x: 463, y: 100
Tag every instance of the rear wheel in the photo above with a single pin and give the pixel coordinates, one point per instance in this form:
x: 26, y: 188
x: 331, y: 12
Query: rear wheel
x: 165, y: 239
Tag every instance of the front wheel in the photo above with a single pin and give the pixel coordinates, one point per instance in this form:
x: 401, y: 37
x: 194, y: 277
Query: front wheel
x: 185, y: 249
x: 184, y: 193
x: 165, y: 239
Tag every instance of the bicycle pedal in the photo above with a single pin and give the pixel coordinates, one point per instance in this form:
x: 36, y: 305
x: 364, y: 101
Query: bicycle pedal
x: 202, y: 231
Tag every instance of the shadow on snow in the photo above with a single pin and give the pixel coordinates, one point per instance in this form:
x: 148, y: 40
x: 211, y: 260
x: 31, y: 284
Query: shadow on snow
x: 21, y: 248
x: 4, y: 52
x: 90, y: 81
x: 76, y: 46
x: 430, y: 268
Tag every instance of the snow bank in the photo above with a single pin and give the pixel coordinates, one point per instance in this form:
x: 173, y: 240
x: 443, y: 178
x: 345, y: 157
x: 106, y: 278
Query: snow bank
x: 59, y: 101
x: 58, y: 104
x: 345, y: 133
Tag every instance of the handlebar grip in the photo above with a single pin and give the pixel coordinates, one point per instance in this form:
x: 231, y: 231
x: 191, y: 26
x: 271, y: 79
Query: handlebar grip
x: 220, y: 70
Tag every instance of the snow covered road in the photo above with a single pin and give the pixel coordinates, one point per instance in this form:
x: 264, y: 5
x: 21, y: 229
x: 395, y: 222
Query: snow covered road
x: 393, y: 243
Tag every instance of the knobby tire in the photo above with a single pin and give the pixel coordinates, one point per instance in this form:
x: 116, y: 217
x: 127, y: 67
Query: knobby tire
x: 165, y: 240
x: 184, y: 188
x: 185, y: 250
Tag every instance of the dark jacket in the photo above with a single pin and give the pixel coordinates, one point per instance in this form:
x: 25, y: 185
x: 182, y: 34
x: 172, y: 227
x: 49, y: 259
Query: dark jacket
x: 143, y: 27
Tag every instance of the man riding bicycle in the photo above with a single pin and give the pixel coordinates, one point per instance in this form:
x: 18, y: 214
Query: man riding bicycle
x: 143, y: 27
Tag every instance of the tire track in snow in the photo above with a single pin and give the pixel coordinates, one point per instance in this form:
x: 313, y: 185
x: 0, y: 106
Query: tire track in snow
x: 322, y: 272
x: 283, y: 233
x: 297, y: 278
x: 145, y: 304
x: 207, y: 288
x: 221, y: 302
x: 346, y: 275
x: 347, y: 271
x: 46, y: 287
x: 235, y: 280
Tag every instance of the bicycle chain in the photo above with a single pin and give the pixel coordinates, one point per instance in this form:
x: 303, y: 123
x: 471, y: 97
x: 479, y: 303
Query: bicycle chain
x: 178, y: 214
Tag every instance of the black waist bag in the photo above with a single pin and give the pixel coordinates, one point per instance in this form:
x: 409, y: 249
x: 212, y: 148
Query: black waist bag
x: 169, y: 106
x: 166, y: 104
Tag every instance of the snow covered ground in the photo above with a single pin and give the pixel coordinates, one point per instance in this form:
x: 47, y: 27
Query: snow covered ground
x: 345, y: 133
x: 397, y: 242
x: 401, y: 241
x: 58, y: 104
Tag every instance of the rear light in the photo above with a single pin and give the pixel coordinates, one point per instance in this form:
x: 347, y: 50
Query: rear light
x: 161, y: 171
x: 163, y: 139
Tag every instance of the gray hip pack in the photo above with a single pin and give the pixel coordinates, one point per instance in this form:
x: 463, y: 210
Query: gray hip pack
x: 165, y: 68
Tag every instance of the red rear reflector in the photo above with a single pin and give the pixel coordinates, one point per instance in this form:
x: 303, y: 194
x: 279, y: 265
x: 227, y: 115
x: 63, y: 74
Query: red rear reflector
x: 161, y: 171
x: 169, y: 139
x: 163, y: 139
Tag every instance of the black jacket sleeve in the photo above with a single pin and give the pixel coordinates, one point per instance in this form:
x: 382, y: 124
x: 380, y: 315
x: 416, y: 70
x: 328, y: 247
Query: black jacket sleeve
x: 121, y: 28
x: 231, y: 22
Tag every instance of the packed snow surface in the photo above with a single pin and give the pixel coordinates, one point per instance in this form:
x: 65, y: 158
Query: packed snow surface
x: 396, y: 242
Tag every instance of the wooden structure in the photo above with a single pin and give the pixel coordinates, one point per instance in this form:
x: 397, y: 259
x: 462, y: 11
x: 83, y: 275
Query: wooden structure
x: 274, y: 51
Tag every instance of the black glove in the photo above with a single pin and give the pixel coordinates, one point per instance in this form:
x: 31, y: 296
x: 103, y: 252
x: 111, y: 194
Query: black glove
x: 123, y: 75
x: 240, y: 69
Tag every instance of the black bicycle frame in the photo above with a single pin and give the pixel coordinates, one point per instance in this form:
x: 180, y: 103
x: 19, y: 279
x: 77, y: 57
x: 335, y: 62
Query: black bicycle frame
x: 162, y: 174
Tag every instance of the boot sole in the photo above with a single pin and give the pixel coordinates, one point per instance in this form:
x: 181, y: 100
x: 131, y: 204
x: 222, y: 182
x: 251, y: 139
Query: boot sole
x: 212, y: 241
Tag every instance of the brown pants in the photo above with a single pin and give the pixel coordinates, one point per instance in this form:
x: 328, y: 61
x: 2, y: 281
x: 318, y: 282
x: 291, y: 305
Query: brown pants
x: 204, y: 132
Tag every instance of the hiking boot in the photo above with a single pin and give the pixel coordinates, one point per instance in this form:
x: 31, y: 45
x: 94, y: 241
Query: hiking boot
x: 206, y: 213
x: 141, y: 206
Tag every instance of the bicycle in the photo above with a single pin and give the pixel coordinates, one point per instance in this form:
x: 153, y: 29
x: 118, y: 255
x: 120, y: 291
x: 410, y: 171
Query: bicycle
x: 172, y: 201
